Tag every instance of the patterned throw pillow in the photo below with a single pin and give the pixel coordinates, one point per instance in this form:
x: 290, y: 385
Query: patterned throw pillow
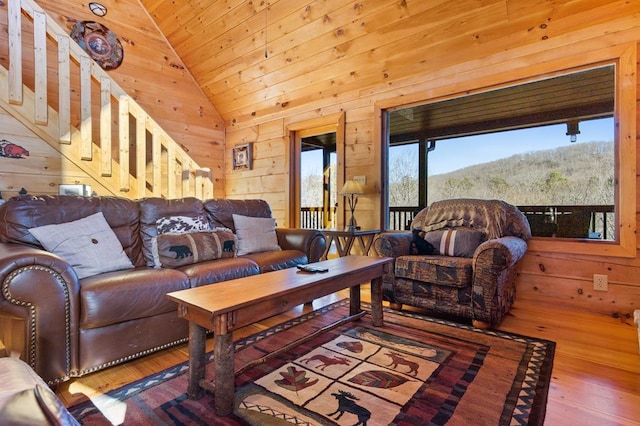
x: 255, y: 234
x: 458, y: 242
x: 194, y: 247
x: 181, y: 224
x: 421, y: 246
x: 89, y: 245
x: 176, y: 225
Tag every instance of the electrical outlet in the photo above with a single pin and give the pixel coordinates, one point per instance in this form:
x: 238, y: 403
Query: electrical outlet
x: 600, y: 282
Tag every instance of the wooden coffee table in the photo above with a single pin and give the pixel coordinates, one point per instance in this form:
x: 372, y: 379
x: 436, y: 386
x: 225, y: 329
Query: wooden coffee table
x: 229, y: 305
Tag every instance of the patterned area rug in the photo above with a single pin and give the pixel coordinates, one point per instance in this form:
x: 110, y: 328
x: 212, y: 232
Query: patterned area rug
x: 414, y: 370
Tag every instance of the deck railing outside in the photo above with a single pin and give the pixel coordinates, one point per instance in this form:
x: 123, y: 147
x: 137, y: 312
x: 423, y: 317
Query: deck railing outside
x: 314, y: 217
x: 590, y: 221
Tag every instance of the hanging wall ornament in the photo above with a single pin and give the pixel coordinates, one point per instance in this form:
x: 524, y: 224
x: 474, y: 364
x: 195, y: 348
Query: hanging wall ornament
x: 11, y: 150
x: 99, y: 42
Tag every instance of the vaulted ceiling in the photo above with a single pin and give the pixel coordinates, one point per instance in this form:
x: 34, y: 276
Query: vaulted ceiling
x: 198, y: 62
x: 252, y: 58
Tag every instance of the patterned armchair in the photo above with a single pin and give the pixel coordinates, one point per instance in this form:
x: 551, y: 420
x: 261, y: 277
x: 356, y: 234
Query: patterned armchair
x: 471, y: 273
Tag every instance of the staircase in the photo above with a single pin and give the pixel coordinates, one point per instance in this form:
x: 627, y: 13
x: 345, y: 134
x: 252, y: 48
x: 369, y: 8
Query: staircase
x: 114, y: 141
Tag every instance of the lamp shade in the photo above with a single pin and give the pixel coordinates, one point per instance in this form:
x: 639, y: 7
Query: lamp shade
x: 351, y: 187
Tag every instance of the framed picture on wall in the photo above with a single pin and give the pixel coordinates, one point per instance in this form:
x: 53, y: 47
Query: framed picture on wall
x: 242, y: 157
x: 74, y: 189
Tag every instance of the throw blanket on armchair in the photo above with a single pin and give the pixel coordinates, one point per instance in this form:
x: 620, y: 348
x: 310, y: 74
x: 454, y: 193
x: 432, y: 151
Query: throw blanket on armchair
x: 495, y: 218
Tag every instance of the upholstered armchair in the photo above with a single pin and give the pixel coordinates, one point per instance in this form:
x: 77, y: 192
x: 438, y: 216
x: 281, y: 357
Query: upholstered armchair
x: 459, y: 258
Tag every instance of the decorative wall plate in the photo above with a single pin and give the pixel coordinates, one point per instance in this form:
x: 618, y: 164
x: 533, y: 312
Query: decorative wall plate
x: 99, y: 42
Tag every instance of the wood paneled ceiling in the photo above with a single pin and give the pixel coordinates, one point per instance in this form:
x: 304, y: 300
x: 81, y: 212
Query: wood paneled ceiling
x: 257, y: 58
x: 254, y: 58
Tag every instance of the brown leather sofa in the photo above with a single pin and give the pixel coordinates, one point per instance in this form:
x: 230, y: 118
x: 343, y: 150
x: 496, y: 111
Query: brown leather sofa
x: 76, y: 326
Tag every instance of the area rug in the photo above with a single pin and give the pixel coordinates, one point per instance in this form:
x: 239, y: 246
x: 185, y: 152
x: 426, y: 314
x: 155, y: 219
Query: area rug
x: 414, y: 370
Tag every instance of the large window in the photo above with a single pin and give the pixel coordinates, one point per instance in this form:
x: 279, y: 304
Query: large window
x: 551, y: 146
x: 564, y: 183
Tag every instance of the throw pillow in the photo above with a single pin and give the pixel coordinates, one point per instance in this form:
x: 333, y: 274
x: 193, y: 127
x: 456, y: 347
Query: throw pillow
x: 458, y: 242
x: 184, y: 249
x: 176, y: 225
x: 88, y: 244
x: 421, y: 246
x: 181, y: 224
x: 255, y: 234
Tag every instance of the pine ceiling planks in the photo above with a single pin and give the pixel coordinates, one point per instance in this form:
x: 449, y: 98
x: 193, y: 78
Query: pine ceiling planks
x: 321, y: 48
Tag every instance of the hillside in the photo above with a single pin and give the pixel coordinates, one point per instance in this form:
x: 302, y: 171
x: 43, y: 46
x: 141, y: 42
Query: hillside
x: 576, y: 174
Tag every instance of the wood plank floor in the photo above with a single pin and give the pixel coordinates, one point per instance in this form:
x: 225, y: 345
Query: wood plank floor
x: 596, y: 373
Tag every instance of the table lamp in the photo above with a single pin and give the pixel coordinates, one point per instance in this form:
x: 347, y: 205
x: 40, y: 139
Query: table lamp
x: 351, y: 190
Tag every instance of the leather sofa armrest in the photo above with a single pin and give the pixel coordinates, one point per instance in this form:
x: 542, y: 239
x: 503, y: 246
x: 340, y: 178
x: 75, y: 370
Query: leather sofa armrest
x: 309, y: 241
x: 42, y: 290
x: 393, y: 243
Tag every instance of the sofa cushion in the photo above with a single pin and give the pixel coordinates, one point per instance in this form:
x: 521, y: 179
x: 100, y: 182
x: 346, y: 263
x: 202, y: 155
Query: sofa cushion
x: 88, y: 244
x: 444, y: 270
x: 116, y: 297
x: 459, y: 242
x: 154, y: 208
x: 275, y: 260
x: 226, y: 269
x: 255, y: 234
x: 30, y: 211
x: 193, y: 247
x: 221, y: 211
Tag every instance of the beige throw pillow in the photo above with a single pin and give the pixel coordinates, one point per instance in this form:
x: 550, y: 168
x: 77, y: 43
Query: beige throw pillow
x: 89, y: 245
x: 255, y: 234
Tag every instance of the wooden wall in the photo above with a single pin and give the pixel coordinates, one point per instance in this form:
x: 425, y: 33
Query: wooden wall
x: 152, y: 73
x: 39, y: 172
x: 500, y: 51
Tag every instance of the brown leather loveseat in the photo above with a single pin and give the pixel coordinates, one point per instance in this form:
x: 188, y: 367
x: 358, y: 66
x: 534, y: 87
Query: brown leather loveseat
x: 74, y: 326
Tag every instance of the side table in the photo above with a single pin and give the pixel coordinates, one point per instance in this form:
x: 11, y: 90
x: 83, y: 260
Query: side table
x: 345, y: 240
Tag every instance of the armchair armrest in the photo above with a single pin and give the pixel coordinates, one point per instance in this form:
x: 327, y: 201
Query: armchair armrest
x: 393, y: 243
x: 494, y: 272
x: 309, y: 241
x: 500, y: 253
x: 41, y: 289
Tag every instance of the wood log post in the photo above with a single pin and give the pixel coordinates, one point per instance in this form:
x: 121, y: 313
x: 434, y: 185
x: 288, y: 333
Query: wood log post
x: 225, y: 377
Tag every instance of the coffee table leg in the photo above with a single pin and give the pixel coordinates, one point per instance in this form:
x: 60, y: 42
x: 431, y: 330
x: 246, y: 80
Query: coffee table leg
x: 225, y: 378
x: 376, y: 301
x: 354, y: 300
x: 197, y: 340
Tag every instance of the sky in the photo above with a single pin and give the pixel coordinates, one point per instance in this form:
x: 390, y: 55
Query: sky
x: 454, y: 154
x: 451, y: 153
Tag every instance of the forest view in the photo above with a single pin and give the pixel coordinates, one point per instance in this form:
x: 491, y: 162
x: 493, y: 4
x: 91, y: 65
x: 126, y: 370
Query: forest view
x: 577, y: 174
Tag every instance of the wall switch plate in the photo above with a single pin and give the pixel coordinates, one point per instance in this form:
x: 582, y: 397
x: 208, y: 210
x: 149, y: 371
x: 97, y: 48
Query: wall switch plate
x: 600, y: 282
x: 362, y: 180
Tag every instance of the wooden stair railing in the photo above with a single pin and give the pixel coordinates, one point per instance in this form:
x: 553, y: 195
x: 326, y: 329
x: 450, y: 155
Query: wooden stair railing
x: 160, y: 167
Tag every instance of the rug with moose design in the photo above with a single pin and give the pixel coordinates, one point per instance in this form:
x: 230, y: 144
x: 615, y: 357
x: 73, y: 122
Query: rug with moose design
x: 413, y: 370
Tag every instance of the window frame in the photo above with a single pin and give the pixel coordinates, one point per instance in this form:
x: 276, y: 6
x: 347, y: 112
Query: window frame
x: 624, y: 59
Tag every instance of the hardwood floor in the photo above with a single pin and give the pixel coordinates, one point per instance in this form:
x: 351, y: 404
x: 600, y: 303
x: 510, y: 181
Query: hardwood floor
x: 596, y: 373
